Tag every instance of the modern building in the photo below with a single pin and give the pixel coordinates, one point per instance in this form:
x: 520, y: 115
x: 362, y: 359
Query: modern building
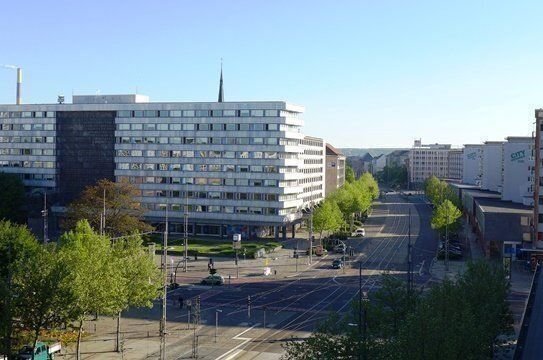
x: 454, y: 164
x: 472, y: 164
x: 397, y: 158
x: 517, y: 176
x: 538, y: 173
x: 335, y: 169
x: 242, y: 167
x: 428, y: 160
x: 492, y: 166
x: 378, y: 163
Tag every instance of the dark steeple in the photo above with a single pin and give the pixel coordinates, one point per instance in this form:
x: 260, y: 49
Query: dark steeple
x: 221, y: 92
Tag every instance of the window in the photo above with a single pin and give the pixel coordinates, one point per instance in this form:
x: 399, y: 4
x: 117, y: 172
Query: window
x: 136, y: 126
x: 229, y: 113
x: 189, y: 140
x: 244, y: 113
x: 188, y: 167
x: 149, y: 127
x: 202, y: 153
x: 243, y: 168
x: 215, y: 181
x: 200, y: 181
x: 217, y: 127
x: 229, y: 182
x: 257, y: 155
x: 176, y: 153
x: 123, y: 127
x: 216, y: 113
x: 162, y: 127
x: 203, y: 127
x: 257, y: 113
x: 214, y: 154
x: 242, y: 209
x: 270, y: 113
x: 228, y: 209
x: 229, y: 141
x: 229, y: 155
x: 164, y: 113
x: 123, y: 113
x: 149, y: 140
x: 243, y: 141
x: 175, y: 113
x: 229, y: 196
x: 202, y: 167
x: 149, y: 167
x: 150, y: 153
x: 175, y: 140
x: 188, y: 153
x: 229, y: 168
x: 201, y: 140
x: 150, y: 113
x: 270, y: 155
x: 244, y: 127
x: 202, y: 113
x: 243, y: 154
x: 242, y: 182
x: 164, y: 153
x: 175, y: 127
x: 214, y: 195
x: 231, y: 127
x: 138, y: 113
x: 214, y: 167
x: 258, y: 141
x: 188, y: 127
x: 271, y: 141
x: 256, y: 168
x: 272, y: 127
x: 136, y: 153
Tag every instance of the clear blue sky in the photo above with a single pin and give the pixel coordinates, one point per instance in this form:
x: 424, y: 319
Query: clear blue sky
x: 369, y: 72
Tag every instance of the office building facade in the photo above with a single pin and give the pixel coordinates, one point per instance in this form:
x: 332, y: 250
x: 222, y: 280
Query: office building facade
x: 335, y: 169
x: 428, y: 160
x: 492, y: 161
x: 241, y: 167
x: 517, y: 176
x: 472, y: 164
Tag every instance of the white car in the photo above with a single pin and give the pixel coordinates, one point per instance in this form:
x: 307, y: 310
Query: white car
x: 359, y: 233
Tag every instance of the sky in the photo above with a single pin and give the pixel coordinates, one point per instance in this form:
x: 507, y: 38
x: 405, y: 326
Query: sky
x: 370, y: 73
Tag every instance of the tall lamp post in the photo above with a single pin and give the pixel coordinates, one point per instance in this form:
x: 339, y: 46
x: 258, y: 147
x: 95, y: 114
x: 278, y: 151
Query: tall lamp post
x: 164, y: 289
x: 311, y: 233
x: 217, y: 311
x: 185, y: 226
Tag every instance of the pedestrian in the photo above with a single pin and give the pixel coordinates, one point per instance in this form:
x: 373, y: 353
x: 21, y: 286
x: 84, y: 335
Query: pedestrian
x: 180, y: 299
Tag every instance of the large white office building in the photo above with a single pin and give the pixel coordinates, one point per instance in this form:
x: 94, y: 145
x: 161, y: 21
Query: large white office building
x: 428, y: 160
x: 492, y: 161
x: 517, y: 178
x: 242, y: 167
x: 472, y: 164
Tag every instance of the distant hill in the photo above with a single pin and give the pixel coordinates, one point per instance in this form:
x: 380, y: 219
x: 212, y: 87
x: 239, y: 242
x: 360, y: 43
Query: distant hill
x: 373, y: 152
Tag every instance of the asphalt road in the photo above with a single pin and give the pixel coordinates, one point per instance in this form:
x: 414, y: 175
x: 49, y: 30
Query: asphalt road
x: 288, y: 306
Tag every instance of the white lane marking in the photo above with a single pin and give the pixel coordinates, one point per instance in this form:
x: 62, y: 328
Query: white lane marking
x: 233, y: 355
x: 237, y: 337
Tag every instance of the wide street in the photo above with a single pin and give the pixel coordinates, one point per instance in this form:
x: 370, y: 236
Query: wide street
x: 283, y: 306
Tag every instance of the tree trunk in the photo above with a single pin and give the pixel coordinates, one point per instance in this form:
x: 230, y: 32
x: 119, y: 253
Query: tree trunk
x: 118, y: 337
x: 36, y: 335
x: 78, y: 349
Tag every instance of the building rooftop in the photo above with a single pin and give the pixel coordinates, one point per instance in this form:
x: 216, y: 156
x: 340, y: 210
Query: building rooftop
x: 330, y: 150
x: 490, y: 205
x: 465, y: 186
x: 476, y: 193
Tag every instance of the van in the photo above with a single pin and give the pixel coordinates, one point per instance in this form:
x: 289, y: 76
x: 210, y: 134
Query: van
x: 359, y: 233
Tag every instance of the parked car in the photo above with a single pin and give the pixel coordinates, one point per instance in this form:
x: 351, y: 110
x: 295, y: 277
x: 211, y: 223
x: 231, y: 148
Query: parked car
x: 339, y: 248
x: 214, y: 279
x: 337, y: 264
x: 360, y: 232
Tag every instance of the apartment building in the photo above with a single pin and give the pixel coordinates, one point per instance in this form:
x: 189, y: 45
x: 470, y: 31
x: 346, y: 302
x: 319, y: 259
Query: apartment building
x: 538, y: 171
x: 472, y: 164
x: 492, y: 160
x: 428, y: 160
x: 335, y: 169
x: 240, y: 166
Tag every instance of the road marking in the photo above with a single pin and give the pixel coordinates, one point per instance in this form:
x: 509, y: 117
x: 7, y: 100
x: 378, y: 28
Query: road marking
x: 421, y: 267
x: 233, y: 355
x: 237, y: 337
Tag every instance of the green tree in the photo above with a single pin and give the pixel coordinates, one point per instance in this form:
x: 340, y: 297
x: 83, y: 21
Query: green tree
x: 41, y: 297
x: 349, y: 174
x: 446, y: 215
x: 95, y: 282
x: 141, y: 279
x: 327, y: 217
x: 123, y: 212
x: 12, y: 196
x: 17, y: 245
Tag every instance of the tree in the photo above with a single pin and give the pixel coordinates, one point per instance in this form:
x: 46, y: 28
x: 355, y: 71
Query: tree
x: 41, y: 297
x: 327, y: 217
x: 349, y: 174
x: 123, y: 212
x: 17, y: 245
x: 141, y: 279
x: 95, y: 281
x: 12, y: 196
x: 445, y: 216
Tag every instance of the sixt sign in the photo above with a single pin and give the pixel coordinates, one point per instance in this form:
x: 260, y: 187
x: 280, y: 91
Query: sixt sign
x: 471, y: 156
x: 519, y: 155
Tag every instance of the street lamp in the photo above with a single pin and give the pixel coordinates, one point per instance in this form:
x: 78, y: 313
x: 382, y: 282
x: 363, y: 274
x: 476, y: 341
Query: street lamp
x: 217, y: 311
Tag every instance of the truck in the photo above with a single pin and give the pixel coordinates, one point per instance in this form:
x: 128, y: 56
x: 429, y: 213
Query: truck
x: 41, y: 351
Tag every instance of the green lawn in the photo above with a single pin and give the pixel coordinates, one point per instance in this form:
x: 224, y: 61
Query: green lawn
x: 213, y: 247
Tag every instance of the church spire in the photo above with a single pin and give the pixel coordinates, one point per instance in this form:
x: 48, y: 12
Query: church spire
x: 221, y: 91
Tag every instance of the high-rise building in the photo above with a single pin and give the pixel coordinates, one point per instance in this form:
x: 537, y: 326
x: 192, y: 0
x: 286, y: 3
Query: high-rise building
x: 538, y: 181
x: 431, y: 160
x: 241, y: 166
x: 517, y: 178
x: 472, y: 164
x: 335, y: 169
x: 492, y: 161
x: 455, y: 164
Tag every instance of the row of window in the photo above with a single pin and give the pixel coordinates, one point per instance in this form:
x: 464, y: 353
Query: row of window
x: 312, y: 188
x: 210, y: 195
x: 198, y: 167
x: 27, y: 139
x: 312, y: 170
x: 207, y: 154
x: 212, y: 209
x: 27, y: 114
x: 27, y: 127
x: 200, y: 181
x: 310, y: 180
x: 198, y: 127
x: 185, y: 140
x: 28, y: 164
x: 36, y: 152
x: 46, y: 177
x: 197, y: 113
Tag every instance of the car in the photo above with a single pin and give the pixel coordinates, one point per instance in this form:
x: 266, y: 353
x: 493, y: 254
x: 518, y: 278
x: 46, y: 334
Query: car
x: 339, y: 248
x: 337, y: 264
x: 214, y: 279
x: 360, y: 232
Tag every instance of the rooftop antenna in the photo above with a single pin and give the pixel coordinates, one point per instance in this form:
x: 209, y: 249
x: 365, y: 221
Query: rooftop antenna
x: 221, y: 91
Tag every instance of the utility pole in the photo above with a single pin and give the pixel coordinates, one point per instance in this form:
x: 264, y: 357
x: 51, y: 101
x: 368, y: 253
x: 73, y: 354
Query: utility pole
x: 45, y: 219
x: 446, y: 239
x: 360, y: 309
x: 186, y: 225
x: 409, y: 257
x: 103, y: 214
x: 165, y: 289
